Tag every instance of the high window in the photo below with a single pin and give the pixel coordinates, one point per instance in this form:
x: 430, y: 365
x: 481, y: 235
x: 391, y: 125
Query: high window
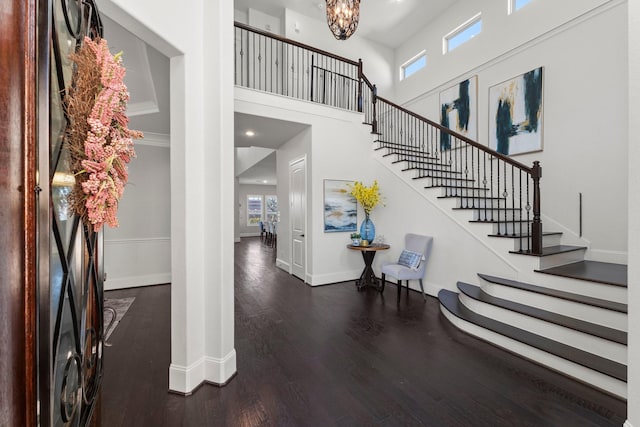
x: 462, y: 34
x: 416, y: 63
x: 517, y: 4
x: 254, y: 209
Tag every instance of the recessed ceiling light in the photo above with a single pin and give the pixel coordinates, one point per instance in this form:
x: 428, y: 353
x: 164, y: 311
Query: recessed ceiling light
x: 265, y: 181
x: 250, y: 133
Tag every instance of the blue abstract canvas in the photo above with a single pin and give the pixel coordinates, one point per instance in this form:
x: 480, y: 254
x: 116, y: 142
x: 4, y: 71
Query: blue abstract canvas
x: 340, y: 208
x: 459, y: 111
x: 515, y: 114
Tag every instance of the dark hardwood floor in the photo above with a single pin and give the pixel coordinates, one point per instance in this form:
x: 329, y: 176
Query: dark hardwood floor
x: 332, y: 356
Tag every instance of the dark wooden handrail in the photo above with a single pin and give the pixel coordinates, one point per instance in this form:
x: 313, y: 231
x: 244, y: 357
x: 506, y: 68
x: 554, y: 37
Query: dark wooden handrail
x: 461, y: 137
x: 294, y: 43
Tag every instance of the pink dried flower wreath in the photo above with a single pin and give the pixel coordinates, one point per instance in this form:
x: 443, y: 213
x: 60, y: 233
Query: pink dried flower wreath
x: 99, y: 140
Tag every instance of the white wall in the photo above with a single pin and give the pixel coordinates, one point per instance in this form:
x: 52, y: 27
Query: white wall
x: 138, y: 252
x: 584, y: 132
x: 633, y: 373
x: 377, y: 58
x: 198, y: 37
x: 264, y: 21
x: 243, y: 191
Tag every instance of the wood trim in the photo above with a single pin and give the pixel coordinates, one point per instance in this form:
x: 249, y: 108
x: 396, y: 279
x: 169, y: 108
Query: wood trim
x: 294, y: 43
x: 18, y: 121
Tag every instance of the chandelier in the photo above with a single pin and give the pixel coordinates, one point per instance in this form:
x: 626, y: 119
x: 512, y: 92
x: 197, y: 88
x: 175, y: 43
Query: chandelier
x: 342, y: 17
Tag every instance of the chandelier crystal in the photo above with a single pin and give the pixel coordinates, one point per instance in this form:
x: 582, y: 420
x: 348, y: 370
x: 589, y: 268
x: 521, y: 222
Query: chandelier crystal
x: 342, y: 17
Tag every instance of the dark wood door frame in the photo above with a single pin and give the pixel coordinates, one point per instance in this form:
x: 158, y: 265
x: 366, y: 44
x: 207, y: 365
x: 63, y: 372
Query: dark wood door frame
x: 18, y: 133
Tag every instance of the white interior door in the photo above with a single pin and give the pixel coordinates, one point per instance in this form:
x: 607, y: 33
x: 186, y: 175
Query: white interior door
x: 298, y: 197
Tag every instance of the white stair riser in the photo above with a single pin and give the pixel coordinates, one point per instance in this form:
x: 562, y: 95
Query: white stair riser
x: 510, y: 228
x: 497, y: 215
x: 436, y: 175
x: 581, y: 373
x: 436, y: 181
x: 580, y: 340
x: 463, y: 192
x: 588, y: 313
x: 581, y: 287
x: 549, y: 240
x: 470, y: 202
x: 431, y: 169
x: 562, y: 259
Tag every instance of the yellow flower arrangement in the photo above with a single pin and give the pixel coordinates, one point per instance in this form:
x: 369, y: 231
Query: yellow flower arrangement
x: 368, y: 197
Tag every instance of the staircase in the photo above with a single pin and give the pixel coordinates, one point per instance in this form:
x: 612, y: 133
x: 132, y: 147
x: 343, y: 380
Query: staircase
x: 572, y: 318
x: 573, y: 321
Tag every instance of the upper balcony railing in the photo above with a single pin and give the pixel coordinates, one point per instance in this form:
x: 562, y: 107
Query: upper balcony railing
x: 271, y: 63
x: 499, y: 189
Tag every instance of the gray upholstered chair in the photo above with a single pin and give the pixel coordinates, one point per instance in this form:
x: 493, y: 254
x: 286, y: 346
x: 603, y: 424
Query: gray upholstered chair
x: 400, y: 271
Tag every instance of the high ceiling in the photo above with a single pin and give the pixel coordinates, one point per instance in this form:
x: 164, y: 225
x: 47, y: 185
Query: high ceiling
x: 389, y: 22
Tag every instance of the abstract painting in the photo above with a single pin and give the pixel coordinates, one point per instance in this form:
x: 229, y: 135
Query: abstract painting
x: 340, y: 208
x: 515, y: 114
x: 459, y: 111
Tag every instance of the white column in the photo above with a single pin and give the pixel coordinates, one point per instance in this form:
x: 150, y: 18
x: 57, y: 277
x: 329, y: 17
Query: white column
x: 219, y: 189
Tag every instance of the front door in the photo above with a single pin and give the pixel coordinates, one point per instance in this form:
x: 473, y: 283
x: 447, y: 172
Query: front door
x: 298, y: 197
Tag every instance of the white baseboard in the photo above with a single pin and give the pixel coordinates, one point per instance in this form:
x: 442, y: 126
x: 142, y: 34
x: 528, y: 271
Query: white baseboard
x: 185, y: 379
x: 627, y: 424
x: 616, y: 257
x: 283, y: 265
x: 219, y: 371
x: 136, y: 281
x: 250, y: 234
x: 336, y: 277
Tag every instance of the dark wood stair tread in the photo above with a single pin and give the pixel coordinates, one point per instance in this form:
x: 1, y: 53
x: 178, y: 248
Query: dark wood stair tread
x: 593, y: 271
x: 487, y: 209
x: 451, y: 178
x: 502, y: 221
x: 604, y: 332
x: 450, y: 301
x: 434, y: 162
x: 582, y: 299
x: 525, y: 236
x: 478, y: 198
x: 551, y: 250
x: 414, y: 156
x: 431, y: 170
x: 457, y: 187
x: 401, y: 148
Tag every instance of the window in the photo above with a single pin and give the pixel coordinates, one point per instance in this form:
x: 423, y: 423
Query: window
x: 517, y: 4
x: 271, y: 208
x: 254, y: 210
x: 416, y: 63
x: 462, y: 34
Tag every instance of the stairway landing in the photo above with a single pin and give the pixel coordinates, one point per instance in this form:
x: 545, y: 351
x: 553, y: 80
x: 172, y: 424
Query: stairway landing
x: 594, y: 271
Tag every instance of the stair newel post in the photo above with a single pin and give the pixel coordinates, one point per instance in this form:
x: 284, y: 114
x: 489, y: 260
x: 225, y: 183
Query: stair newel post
x: 536, y: 226
x: 374, y: 96
x: 360, y: 85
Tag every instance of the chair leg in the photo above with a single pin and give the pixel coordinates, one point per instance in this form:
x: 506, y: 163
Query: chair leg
x: 422, y: 287
x: 399, y: 289
x: 384, y: 279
